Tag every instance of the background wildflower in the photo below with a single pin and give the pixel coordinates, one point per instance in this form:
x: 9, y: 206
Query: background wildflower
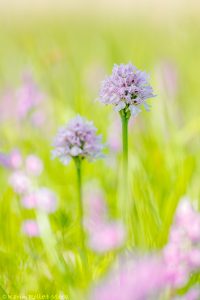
x: 30, y: 228
x: 138, y: 279
x: 4, y: 160
x: 20, y: 182
x: 29, y: 201
x: 46, y: 200
x: 34, y: 165
x: 77, y: 139
x: 107, y: 237
x: 182, y: 253
x: 103, y: 235
x: 15, y: 159
x: 42, y: 199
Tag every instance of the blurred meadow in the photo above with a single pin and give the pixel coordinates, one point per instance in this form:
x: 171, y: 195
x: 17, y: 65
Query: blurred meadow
x: 64, y: 57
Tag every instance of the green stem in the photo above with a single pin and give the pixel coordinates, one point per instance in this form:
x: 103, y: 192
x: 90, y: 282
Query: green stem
x: 125, y: 143
x: 125, y: 116
x: 78, y: 163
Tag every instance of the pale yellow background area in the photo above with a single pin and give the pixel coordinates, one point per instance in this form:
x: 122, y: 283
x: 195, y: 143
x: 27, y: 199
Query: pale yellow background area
x: 153, y: 8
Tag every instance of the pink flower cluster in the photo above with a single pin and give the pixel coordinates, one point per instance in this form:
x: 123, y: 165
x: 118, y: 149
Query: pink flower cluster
x: 42, y: 199
x: 28, y: 96
x: 126, y: 88
x: 136, y: 279
x: 22, y: 182
x: 147, y: 277
x: 77, y: 139
x: 182, y: 253
x: 20, y: 179
x: 104, y: 235
x: 22, y: 102
x: 12, y: 160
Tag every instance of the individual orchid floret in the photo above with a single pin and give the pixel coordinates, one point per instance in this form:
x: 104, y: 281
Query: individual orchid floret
x: 30, y: 228
x: 127, y: 88
x: 77, y: 139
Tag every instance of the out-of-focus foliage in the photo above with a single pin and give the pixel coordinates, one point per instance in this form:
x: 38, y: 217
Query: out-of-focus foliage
x: 68, y: 58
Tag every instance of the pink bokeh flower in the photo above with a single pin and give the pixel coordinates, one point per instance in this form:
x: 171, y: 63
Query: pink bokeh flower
x: 193, y: 294
x: 26, y: 102
x: 28, y: 96
x: 107, y: 237
x: 34, y: 165
x: 38, y: 118
x: 135, y: 279
x: 29, y: 201
x: 15, y: 159
x: 43, y: 199
x: 182, y: 253
x: 96, y: 209
x: 4, y: 160
x: 12, y: 160
x: 103, y: 235
x: 149, y: 277
x: 30, y: 228
x: 20, y: 182
x: 46, y: 200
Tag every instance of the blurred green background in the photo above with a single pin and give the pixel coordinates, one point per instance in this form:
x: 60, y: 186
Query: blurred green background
x: 69, y: 52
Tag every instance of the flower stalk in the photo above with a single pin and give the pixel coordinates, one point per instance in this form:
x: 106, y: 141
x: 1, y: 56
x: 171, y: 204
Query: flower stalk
x: 78, y: 140
x: 78, y: 163
x: 127, y: 89
x: 125, y: 116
